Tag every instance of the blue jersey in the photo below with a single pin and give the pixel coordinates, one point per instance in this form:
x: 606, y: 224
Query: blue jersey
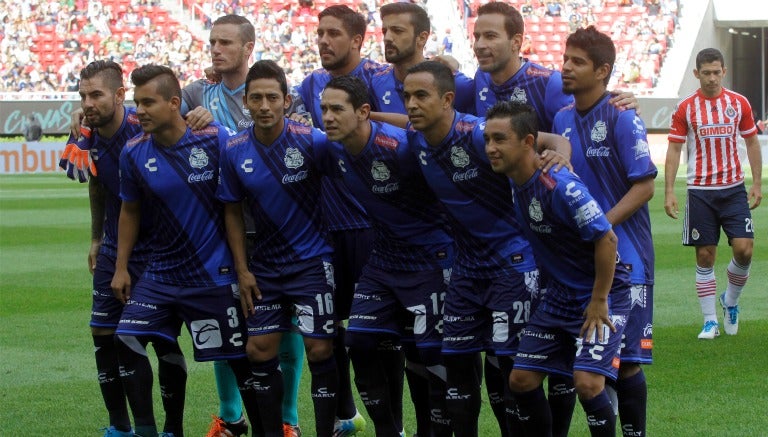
x: 489, y: 241
x: 341, y: 210
x: 408, y: 220
x: 562, y: 222
x: 281, y: 185
x: 533, y: 84
x: 225, y: 105
x: 610, y: 152
x: 178, y: 184
x: 387, y: 92
x: 105, y: 153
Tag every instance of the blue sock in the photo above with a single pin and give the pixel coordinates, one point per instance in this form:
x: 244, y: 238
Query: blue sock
x: 533, y: 412
x: 325, y: 385
x: 562, y: 400
x: 633, y: 400
x: 600, y: 417
x: 291, y: 363
x: 230, y: 403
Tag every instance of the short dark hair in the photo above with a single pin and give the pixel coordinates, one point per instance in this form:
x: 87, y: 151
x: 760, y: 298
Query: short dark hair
x: 513, y: 20
x: 357, y: 91
x: 599, y: 47
x: 442, y: 74
x: 522, y: 117
x: 247, y: 32
x: 168, y: 85
x: 418, y: 15
x: 266, y: 69
x: 709, y: 55
x: 110, y: 70
x: 353, y: 22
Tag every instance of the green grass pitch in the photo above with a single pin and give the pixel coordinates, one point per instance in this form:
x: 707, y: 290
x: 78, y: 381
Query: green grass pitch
x: 48, y: 378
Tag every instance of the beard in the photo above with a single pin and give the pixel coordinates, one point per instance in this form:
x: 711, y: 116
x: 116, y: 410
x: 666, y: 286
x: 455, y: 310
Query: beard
x: 399, y: 56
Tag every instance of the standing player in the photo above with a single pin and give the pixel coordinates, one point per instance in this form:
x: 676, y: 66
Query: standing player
x: 403, y: 283
x: 168, y: 176
x: 708, y: 121
x: 273, y: 168
x: 231, y: 40
x: 494, y: 275
x: 611, y: 156
x: 102, y: 95
x: 577, y: 324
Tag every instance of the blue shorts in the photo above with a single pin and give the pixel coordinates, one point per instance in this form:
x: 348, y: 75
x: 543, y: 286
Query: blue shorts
x: 637, y: 344
x: 212, y: 315
x: 389, y: 302
x: 106, y: 309
x: 303, y: 288
x: 550, y: 344
x: 351, y: 249
x: 706, y: 211
x: 485, y: 314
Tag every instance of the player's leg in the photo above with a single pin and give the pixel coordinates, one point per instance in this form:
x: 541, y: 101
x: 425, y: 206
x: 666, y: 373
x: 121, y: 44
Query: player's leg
x: 561, y: 396
x: 531, y: 401
x: 325, y: 382
x: 593, y: 397
x: 737, y: 223
x: 291, y: 356
x: 494, y: 384
x: 172, y: 377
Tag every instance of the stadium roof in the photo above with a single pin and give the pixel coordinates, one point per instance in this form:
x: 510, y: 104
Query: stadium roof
x: 741, y: 13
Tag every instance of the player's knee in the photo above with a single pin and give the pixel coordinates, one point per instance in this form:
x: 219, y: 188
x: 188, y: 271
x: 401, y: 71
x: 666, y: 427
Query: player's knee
x: 523, y: 381
x: 318, y: 349
x: 99, y: 331
x: 705, y: 256
x: 742, y: 251
x: 628, y: 370
x: 588, y: 385
x: 260, y: 348
x: 362, y: 341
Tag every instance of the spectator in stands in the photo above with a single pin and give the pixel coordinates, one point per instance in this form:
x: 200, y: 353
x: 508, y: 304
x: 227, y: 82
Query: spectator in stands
x: 526, y: 9
x: 554, y: 8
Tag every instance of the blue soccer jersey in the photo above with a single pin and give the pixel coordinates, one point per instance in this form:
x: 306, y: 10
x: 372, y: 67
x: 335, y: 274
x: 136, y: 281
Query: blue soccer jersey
x: 225, y: 105
x: 562, y: 221
x: 408, y: 221
x: 533, y: 84
x: 281, y: 185
x: 488, y: 239
x: 387, y: 92
x: 610, y: 152
x: 105, y: 153
x: 177, y: 185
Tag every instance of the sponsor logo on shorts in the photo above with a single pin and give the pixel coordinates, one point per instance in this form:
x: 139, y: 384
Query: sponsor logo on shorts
x: 646, y: 343
x: 206, y: 334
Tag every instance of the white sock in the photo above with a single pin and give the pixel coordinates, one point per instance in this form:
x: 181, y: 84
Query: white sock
x: 737, y: 277
x: 706, y: 290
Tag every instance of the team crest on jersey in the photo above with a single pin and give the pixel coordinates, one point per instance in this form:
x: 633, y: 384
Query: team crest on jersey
x: 459, y: 157
x: 518, y: 95
x: 695, y: 234
x: 293, y: 158
x: 534, y: 210
x: 641, y: 149
x: 379, y: 171
x: 599, y: 131
x: 730, y: 112
x: 198, y: 158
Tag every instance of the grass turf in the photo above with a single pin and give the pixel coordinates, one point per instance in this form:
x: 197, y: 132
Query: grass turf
x: 48, y: 379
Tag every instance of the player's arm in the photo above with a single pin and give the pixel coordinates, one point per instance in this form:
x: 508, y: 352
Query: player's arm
x: 127, y: 234
x: 556, y: 152
x: 96, y: 196
x: 235, y: 226
x: 638, y: 195
x: 670, y: 174
x: 596, y: 313
x: 754, y: 156
x: 198, y: 118
x: 393, y: 118
x: 75, y: 122
x: 624, y: 100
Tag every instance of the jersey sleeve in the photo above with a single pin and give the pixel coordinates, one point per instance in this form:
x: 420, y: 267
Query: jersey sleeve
x: 322, y: 151
x: 575, y: 206
x: 190, y: 97
x: 465, y: 93
x: 229, y: 189
x: 747, y: 126
x: 633, y: 150
x: 678, y: 130
x: 130, y: 190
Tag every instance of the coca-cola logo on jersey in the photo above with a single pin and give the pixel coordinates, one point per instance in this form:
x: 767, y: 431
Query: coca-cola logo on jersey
x: 717, y: 130
x: 200, y: 177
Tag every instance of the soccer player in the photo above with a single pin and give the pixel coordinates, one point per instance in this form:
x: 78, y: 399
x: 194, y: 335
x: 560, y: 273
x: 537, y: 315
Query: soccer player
x: 272, y: 169
x: 578, y: 322
x: 611, y: 156
x: 494, y: 275
x: 707, y: 122
x: 403, y: 282
x: 101, y: 97
x: 168, y: 176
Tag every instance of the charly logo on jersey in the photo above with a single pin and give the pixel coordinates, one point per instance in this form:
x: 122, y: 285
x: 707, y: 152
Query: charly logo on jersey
x: 483, y: 94
x: 151, y: 164
x: 642, y: 149
x: 385, y: 98
x: 198, y: 158
x: 293, y: 158
x: 730, y: 112
x: 599, y: 131
x: 379, y: 171
x: 575, y: 195
x: 534, y: 210
x: 247, y: 165
x: 518, y: 95
x: 459, y: 157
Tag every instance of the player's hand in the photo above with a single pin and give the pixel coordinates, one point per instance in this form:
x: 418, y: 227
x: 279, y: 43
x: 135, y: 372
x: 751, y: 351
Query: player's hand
x: 449, y: 61
x: 121, y: 285
x: 670, y: 205
x: 299, y: 118
x: 248, y: 292
x: 76, y: 158
x: 198, y: 118
x: 77, y: 120
x: 211, y: 75
x: 93, y: 254
x: 596, y: 321
x: 624, y: 100
x: 755, y: 197
x: 551, y: 158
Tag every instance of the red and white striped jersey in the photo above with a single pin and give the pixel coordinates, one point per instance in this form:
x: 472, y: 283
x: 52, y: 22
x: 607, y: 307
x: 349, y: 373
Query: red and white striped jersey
x: 709, y: 126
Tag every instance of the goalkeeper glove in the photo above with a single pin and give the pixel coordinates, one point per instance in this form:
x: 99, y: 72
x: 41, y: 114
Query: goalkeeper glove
x: 76, y: 159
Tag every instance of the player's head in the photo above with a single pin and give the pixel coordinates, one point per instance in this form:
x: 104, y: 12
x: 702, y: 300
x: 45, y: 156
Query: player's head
x: 340, y: 34
x: 405, y: 28
x: 428, y: 92
x: 101, y: 92
x: 710, y: 69
x: 498, y: 36
x: 587, y: 61
x: 232, y: 39
x: 266, y: 95
x: 510, y: 135
x: 158, y: 97
x: 345, y: 107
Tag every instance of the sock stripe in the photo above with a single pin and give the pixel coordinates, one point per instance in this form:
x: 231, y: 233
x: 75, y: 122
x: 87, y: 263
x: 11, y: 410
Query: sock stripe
x: 736, y: 279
